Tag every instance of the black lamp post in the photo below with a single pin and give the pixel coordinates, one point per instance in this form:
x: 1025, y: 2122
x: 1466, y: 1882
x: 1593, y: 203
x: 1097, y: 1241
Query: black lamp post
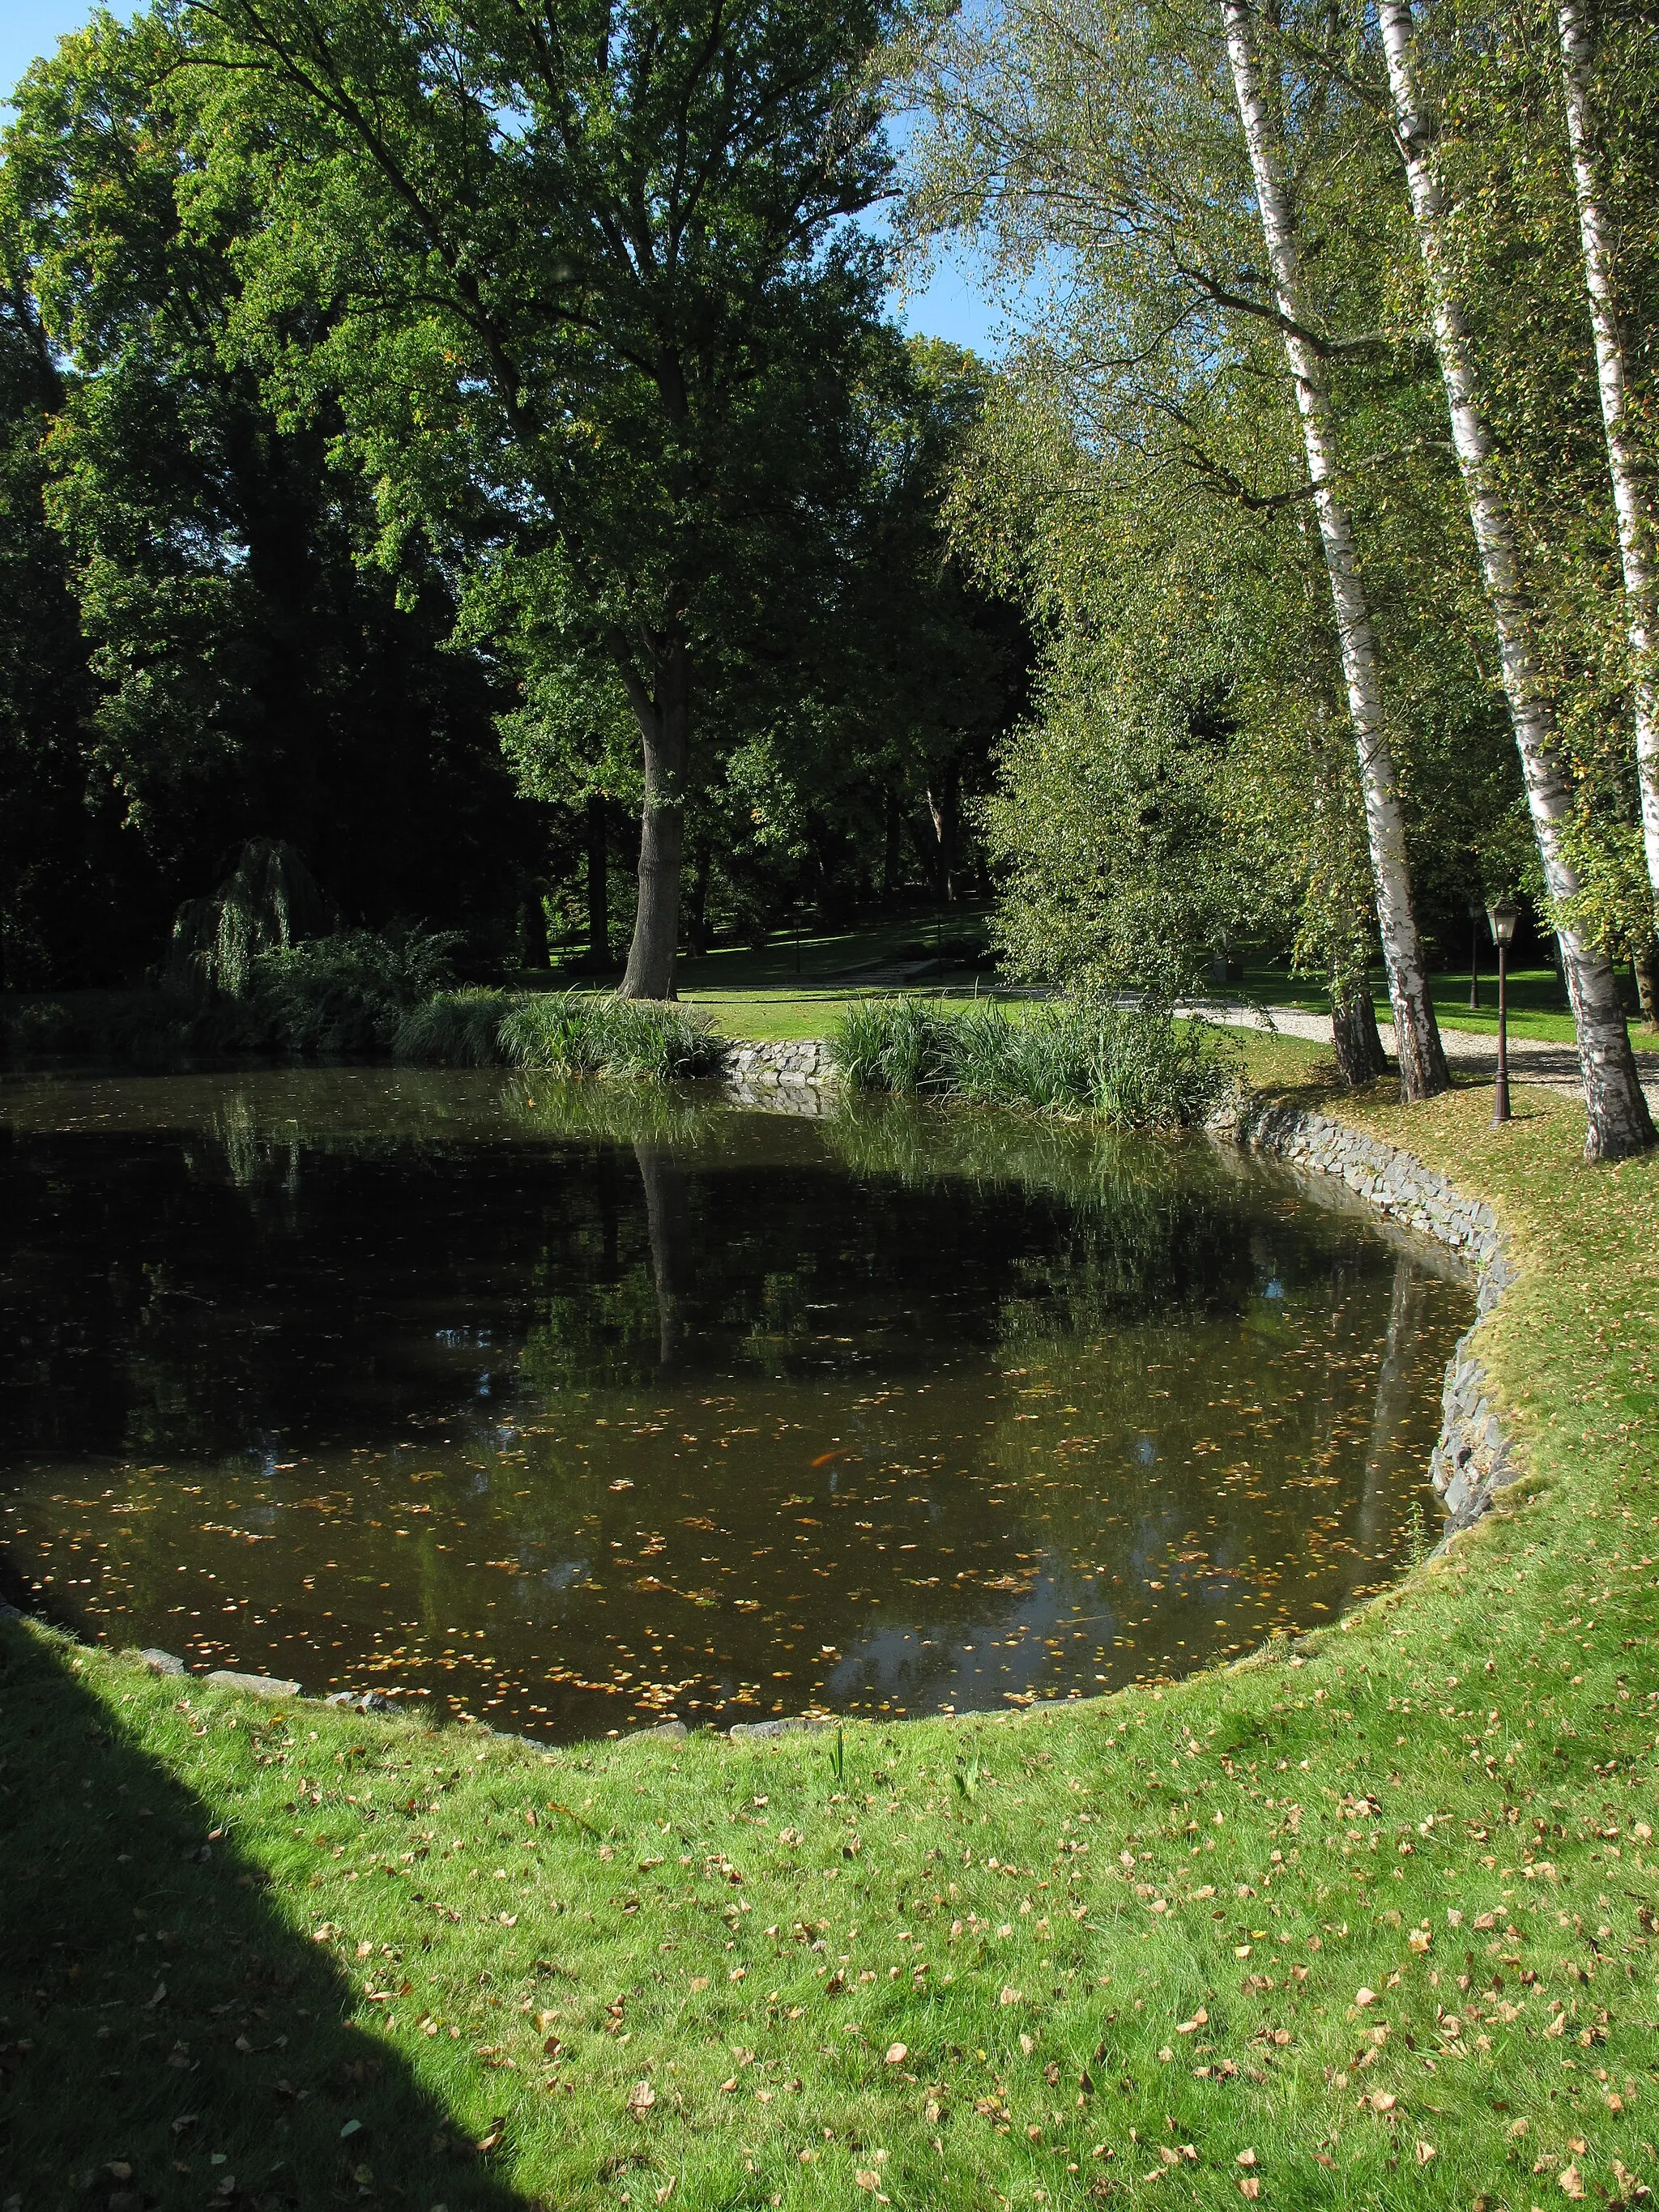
x: 1502, y: 914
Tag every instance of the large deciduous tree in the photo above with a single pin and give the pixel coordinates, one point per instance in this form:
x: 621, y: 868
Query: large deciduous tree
x: 586, y: 283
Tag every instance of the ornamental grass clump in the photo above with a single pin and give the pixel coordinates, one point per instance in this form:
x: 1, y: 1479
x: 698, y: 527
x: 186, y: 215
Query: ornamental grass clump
x: 585, y: 1033
x: 892, y: 1044
x: 456, y: 1029
x: 1130, y: 1067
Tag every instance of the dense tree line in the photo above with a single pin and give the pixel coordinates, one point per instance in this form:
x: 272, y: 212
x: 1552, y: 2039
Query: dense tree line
x: 467, y: 448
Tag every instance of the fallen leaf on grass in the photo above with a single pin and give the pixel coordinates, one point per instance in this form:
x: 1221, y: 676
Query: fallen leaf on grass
x: 1425, y: 2151
x: 642, y: 2099
x: 1246, y: 2158
x: 1572, y: 2186
x: 1383, y: 2100
x: 1250, y: 2187
x: 897, y: 2053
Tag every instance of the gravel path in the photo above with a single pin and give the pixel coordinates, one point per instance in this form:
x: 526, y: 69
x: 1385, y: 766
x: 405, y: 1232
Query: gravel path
x: 1471, y: 1052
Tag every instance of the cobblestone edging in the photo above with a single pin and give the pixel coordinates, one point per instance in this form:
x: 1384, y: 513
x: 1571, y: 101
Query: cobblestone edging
x: 1473, y: 1457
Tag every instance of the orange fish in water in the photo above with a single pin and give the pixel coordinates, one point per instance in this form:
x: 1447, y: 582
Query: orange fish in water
x: 824, y: 1458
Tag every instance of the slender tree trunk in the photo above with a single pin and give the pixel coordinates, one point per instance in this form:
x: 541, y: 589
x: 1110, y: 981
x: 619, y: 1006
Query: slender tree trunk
x: 1359, y: 1055
x: 1620, y: 1123
x: 1636, y: 549
x: 535, y: 929
x: 1644, y: 961
x: 598, y: 883
x: 1422, y: 1060
x: 697, y: 917
x: 664, y: 729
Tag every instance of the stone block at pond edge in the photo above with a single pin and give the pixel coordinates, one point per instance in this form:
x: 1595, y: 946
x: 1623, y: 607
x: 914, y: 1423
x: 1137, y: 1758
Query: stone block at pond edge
x: 253, y: 1685
x: 162, y: 1662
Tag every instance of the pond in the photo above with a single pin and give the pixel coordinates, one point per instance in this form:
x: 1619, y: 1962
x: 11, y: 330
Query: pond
x: 572, y: 1408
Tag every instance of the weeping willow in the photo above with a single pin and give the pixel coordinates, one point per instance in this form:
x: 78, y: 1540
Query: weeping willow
x: 269, y: 902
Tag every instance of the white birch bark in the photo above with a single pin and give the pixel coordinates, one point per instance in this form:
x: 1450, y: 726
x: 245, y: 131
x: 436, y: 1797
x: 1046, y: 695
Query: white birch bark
x: 1422, y: 1060
x: 1620, y: 1123
x: 1623, y: 461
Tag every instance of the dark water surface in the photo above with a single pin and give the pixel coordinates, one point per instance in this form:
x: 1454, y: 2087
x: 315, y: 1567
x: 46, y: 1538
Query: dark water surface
x: 573, y: 1407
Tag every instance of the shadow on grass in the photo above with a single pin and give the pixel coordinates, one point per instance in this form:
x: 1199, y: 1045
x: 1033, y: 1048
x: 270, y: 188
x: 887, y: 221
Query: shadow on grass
x: 166, y: 2038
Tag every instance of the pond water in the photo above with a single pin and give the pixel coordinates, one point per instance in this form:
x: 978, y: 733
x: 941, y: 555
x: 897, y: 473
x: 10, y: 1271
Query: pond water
x: 572, y: 1408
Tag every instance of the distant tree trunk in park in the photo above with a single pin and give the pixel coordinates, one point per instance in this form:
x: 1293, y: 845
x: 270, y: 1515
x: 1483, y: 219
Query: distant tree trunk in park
x: 668, y: 1224
x: 1625, y: 466
x: 1422, y: 1060
x: 1360, y: 1057
x: 893, y: 845
x: 663, y: 717
x: 1644, y: 961
x: 696, y: 915
x: 1620, y: 1123
x: 535, y: 929
x: 598, y: 883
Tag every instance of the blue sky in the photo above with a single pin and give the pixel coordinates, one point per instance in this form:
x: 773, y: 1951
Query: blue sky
x: 950, y: 306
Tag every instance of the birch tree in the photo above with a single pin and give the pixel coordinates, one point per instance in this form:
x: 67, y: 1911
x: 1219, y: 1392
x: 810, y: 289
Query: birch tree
x: 1422, y: 1062
x: 1620, y: 1123
x: 1624, y: 467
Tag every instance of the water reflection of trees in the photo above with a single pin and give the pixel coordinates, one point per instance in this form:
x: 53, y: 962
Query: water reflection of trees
x: 490, y: 1267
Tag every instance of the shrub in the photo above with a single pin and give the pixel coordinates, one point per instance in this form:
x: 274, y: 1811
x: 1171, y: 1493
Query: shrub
x: 270, y: 902
x: 458, y: 1029
x: 347, y: 993
x: 1131, y: 1068
x: 589, y: 1033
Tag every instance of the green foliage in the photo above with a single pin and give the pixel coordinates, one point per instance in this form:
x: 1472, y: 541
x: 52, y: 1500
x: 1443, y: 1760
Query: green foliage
x: 345, y: 993
x: 891, y: 1044
x: 267, y: 903
x: 590, y: 1033
x: 1132, y: 1067
x: 456, y: 1029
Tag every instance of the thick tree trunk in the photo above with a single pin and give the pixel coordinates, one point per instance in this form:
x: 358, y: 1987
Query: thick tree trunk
x: 1359, y: 1055
x: 598, y: 883
x: 1620, y: 1123
x: 664, y: 729
x: 1422, y: 1060
x: 1636, y: 549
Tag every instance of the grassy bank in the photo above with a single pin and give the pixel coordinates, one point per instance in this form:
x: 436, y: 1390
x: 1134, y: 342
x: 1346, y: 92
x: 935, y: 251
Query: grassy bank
x: 1366, y: 1922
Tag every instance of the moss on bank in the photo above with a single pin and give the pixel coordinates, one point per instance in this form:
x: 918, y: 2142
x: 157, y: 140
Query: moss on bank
x: 1367, y: 1921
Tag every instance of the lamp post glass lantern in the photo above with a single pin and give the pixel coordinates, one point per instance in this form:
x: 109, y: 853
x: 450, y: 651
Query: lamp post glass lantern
x: 1501, y: 915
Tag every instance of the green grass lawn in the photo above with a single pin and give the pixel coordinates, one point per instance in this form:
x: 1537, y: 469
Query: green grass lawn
x: 1368, y: 1922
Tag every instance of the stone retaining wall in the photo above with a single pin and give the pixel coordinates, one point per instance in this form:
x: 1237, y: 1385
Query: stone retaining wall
x: 752, y: 1067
